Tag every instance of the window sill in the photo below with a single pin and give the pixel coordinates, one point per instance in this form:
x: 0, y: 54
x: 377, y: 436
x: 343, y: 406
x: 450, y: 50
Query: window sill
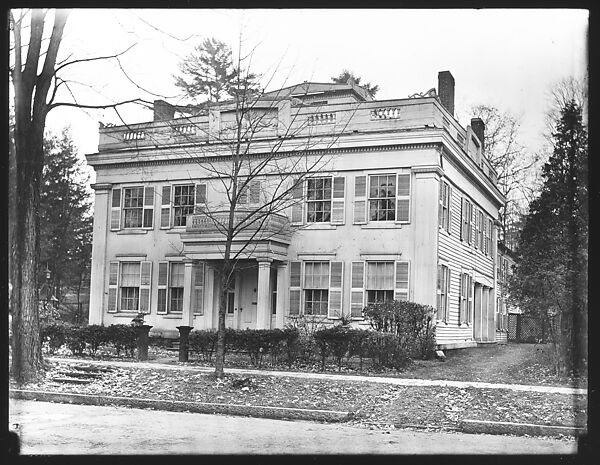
x: 322, y: 226
x: 133, y: 231
x: 175, y: 230
x: 382, y: 225
x: 123, y: 314
x: 172, y: 316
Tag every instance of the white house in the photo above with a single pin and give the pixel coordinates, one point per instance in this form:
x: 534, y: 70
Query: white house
x: 403, y: 206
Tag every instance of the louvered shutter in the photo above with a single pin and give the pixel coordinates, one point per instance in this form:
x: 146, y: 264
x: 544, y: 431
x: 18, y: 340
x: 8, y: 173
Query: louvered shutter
x: 401, y: 286
x: 439, y: 293
x: 163, y: 278
x: 461, y: 300
x: 145, y: 286
x: 243, y: 195
x: 115, y: 210
x: 113, y: 286
x: 357, y: 291
x: 338, y: 204
x: 403, y: 199
x: 198, y: 294
x: 200, y: 198
x: 447, y: 294
x: 148, y: 218
x: 295, y: 287
x: 254, y: 195
x: 298, y: 203
x: 476, y: 229
x: 360, y: 200
x: 441, y: 205
x: 165, y: 209
x: 463, y: 220
x: 473, y: 238
x: 470, y: 290
x: 449, y: 209
x: 336, y: 279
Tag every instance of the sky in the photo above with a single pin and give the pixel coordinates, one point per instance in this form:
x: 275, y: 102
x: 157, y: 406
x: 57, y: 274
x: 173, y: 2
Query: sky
x: 507, y: 58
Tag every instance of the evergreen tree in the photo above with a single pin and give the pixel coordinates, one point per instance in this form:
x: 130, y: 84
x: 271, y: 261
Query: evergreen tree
x: 65, y: 220
x: 209, y: 70
x: 550, y: 278
x: 343, y: 77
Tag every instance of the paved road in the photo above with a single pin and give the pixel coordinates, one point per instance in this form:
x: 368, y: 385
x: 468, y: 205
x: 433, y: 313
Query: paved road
x: 47, y: 428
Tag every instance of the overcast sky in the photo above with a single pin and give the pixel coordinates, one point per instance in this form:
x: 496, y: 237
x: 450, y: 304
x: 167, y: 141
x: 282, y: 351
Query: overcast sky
x: 506, y: 58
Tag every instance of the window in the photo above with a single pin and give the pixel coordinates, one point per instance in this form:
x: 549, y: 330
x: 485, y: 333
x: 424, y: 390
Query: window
x: 136, y: 210
x: 316, y: 288
x: 380, y: 282
x: 183, y: 203
x: 176, y: 280
x: 488, y: 239
x: 318, y: 200
x: 445, y: 206
x: 382, y: 197
x: 129, y: 286
x: 481, y: 230
x: 443, y: 288
x: 465, y: 298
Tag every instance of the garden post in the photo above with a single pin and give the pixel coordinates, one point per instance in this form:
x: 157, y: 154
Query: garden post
x: 184, y: 333
x: 142, y: 341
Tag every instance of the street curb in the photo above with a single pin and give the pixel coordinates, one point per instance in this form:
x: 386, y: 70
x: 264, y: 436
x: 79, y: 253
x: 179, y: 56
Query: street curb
x: 505, y: 427
x: 277, y: 413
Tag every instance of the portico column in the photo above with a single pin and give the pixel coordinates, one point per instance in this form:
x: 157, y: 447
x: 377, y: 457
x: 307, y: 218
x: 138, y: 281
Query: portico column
x: 188, y: 286
x: 209, y: 289
x: 282, y: 292
x: 99, y: 264
x: 263, y: 316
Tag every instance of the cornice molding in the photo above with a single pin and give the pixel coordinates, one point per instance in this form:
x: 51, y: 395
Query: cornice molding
x: 101, y: 186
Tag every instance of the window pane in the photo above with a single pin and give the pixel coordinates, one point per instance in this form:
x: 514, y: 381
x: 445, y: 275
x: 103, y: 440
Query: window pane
x: 130, y: 274
x: 177, y: 275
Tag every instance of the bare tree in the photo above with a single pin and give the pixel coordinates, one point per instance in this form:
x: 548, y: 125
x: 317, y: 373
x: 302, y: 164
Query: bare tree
x: 259, y: 162
x: 515, y: 167
x: 35, y: 73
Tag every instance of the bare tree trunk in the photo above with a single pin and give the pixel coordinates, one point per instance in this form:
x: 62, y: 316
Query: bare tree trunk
x: 220, y: 349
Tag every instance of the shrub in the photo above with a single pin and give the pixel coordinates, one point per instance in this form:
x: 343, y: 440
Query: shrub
x: 94, y: 336
x: 123, y: 339
x: 75, y: 339
x: 55, y: 335
x: 334, y: 340
x: 386, y: 350
x: 409, y: 321
x: 290, y: 344
x: 358, y: 344
x: 204, y: 342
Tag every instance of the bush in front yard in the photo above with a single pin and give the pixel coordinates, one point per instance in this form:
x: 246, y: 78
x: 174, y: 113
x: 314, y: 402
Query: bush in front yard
x: 334, y: 340
x: 75, y: 339
x: 55, y: 335
x: 204, y: 342
x: 386, y: 350
x: 411, y: 322
x: 122, y: 338
x: 94, y: 336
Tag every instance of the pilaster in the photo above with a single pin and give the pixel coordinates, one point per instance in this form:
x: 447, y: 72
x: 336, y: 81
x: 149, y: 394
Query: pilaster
x: 263, y: 316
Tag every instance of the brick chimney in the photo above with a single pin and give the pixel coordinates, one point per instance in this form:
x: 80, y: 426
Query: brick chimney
x: 446, y: 90
x: 478, y: 127
x: 163, y: 111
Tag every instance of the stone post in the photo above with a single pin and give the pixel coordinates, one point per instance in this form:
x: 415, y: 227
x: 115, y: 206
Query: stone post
x: 188, y: 287
x: 142, y: 341
x: 184, y: 342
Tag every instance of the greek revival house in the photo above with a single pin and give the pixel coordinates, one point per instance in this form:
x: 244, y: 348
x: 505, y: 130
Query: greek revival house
x: 403, y: 205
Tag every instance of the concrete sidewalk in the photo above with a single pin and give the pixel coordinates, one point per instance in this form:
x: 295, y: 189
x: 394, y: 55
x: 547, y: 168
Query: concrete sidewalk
x: 324, y: 376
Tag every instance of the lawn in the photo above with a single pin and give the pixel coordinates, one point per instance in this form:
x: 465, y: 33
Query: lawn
x: 374, y: 405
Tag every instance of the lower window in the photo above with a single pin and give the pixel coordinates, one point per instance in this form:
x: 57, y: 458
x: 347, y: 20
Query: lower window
x: 315, y: 302
x: 379, y: 295
x: 130, y: 286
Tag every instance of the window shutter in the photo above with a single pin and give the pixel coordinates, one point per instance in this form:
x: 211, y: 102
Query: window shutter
x: 336, y: 279
x: 163, y: 278
x: 470, y: 290
x: 360, y: 200
x: 165, y: 209
x: 254, y: 192
x: 357, y: 291
x: 145, y: 285
x: 403, y: 198
x: 449, y: 209
x: 298, y: 203
x: 447, y: 295
x: 481, y: 229
x: 461, y: 300
x: 243, y: 195
x: 338, y: 204
x: 295, y: 287
x: 198, y: 295
x: 401, y: 288
x: 115, y: 210
x: 148, y: 218
x: 113, y: 286
x: 200, y: 201
x: 473, y: 235
x: 441, y: 205
x: 439, y: 293
x: 476, y: 230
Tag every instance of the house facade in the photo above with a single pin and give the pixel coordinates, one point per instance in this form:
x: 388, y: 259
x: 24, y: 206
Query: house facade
x: 402, y: 205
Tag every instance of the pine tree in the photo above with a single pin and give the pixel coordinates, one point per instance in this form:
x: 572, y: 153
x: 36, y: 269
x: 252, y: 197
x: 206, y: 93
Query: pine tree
x: 550, y: 278
x: 343, y: 77
x: 65, y: 220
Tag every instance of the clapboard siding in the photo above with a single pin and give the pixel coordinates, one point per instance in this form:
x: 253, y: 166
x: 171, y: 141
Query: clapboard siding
x: 459, y: 257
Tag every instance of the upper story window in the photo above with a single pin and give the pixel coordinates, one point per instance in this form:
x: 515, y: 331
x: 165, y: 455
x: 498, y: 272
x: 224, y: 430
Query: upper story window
x: 466, y: 232
x: 382, y: 197
x: 318, y: 200
x: 445, y: 207
x: 183, y: 203
x: 132, y: 207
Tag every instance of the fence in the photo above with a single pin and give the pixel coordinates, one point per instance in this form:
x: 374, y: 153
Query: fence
x: 527, y: 328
